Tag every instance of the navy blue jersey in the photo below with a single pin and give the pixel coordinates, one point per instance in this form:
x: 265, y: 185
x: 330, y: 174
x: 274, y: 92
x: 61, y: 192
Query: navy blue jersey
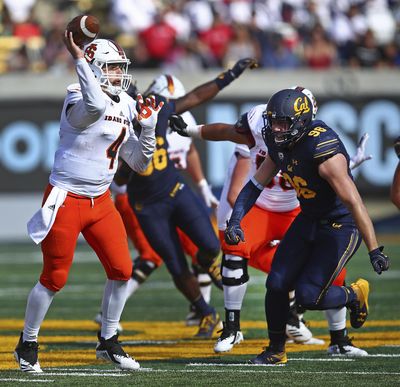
x: 160, y: 177
x: 299, y: 167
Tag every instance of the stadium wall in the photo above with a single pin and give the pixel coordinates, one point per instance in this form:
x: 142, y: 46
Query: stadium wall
x: 353, y: 102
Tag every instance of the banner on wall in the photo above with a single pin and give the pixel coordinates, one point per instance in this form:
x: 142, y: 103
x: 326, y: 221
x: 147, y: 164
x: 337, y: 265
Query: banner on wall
x: 29, y: 137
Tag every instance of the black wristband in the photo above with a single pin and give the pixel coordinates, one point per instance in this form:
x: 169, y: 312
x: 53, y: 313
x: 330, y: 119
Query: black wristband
x: 224, y: 79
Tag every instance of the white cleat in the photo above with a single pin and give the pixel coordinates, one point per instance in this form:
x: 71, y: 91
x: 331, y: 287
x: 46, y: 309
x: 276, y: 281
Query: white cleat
x: 227, y: 340
x: 314, y: 341
x: 98, y: 320
x: 111, y: 350
x: 299, y: 334
x: 346, y: 348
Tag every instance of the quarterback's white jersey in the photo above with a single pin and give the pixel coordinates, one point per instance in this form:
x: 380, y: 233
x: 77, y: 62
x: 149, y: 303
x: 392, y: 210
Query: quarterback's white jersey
x: 279, y: 196
x: 178, y: 146
x: 87, y: 157
x: 224, y: 209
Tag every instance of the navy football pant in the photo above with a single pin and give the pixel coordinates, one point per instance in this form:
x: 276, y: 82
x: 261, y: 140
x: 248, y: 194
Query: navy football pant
x: 160, y: 219
x: 311, y: 255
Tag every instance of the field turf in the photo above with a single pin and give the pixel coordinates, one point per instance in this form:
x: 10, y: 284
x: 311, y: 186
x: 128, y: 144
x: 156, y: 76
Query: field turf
x: 155, y: 333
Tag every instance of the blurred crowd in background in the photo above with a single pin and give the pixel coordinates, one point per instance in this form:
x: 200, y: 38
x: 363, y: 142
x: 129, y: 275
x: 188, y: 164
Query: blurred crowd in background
x: 191, y: 35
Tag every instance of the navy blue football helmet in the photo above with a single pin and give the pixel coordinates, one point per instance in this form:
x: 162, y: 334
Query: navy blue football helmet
x: 295, y: 112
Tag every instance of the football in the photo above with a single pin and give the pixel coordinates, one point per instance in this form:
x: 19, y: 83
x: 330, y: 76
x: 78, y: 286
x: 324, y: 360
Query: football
x: 84, y: 28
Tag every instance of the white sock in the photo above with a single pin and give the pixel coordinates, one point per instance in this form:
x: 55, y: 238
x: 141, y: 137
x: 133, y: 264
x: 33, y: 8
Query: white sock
x: 114, y: 299
x: 336, y: 319
x: 131, y: 287
x: 38, y: 304
x: 234, y: 295
x: 205, y: 286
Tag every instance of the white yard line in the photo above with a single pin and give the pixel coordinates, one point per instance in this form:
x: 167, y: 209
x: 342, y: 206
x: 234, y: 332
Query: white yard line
x: 27, y: 380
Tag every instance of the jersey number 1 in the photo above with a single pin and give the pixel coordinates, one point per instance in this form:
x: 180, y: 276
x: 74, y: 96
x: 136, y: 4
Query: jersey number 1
x: 112, y: 150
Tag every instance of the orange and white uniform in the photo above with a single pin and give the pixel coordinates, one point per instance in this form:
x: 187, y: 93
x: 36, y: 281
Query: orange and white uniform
x: 94, y: 131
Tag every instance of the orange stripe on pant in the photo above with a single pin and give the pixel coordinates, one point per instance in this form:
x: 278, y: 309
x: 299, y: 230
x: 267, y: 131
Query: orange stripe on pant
x: 102, y: 227
x: 261, y: 226
x: 138, y: 238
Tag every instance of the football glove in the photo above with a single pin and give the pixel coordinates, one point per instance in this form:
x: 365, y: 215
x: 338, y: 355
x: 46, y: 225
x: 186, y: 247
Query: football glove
x: 360, y: 156
x: 177, y: 124
x: 148, y: 112
x: 207, y: 195
x: 233, y: 233
x: 379, y: 261
x: 242, y: 65
x: 397, y: 146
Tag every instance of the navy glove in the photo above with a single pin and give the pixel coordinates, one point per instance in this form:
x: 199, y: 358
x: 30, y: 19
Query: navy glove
x: 233, y: 233
x: 242, y: 65
x: 397, y: 146
x: 177, y: 124
x: 379, y: 261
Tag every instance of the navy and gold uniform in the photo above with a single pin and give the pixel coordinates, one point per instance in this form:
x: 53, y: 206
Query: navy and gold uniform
x: 162, y: 201
x: 324, y: 236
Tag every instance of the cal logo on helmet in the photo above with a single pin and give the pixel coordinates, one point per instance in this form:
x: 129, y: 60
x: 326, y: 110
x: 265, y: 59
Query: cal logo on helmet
x: 301, y: 106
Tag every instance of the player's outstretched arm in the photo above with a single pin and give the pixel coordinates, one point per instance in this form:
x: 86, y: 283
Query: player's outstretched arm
x: 210, y: 89
x: 211, y: 132
x: 334, y: 171
x: 357, y: 159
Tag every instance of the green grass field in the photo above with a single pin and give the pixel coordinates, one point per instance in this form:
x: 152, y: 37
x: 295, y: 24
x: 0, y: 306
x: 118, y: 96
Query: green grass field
x: 155, y: 334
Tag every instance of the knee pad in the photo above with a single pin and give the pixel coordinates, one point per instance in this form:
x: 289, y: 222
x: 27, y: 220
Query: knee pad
x: 142, y: 268
x: 234, y: 270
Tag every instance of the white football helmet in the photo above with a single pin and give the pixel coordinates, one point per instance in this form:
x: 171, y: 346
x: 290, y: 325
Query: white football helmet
x: 168, y: 86
x: 310, y: 97
x: 101, y: 53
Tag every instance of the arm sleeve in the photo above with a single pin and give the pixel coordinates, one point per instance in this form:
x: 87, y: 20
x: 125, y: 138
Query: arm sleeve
x: 91, y: 107
x: 246, y: 199
x: 137, y: 153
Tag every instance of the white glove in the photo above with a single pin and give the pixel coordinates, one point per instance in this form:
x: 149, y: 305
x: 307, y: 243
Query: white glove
x: 148, y: 112
x: 117, y: 189
x: 360, y: 157
x: 206, y: 193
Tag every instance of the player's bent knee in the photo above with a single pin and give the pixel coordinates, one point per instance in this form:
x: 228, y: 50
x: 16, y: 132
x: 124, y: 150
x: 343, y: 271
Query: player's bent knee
x: 54, y: 282
x: 234, y: 270
x: 122, y: 273
x: 275, y: 282
x: 307, y: 298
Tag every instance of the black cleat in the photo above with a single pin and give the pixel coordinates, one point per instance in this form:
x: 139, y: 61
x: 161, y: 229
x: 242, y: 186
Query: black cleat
x: 269, y: 357
x: 111, y: 350
x: 26, y: 355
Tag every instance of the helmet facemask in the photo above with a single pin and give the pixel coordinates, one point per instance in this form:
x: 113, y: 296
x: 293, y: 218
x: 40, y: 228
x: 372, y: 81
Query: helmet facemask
x: 102, y: 55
